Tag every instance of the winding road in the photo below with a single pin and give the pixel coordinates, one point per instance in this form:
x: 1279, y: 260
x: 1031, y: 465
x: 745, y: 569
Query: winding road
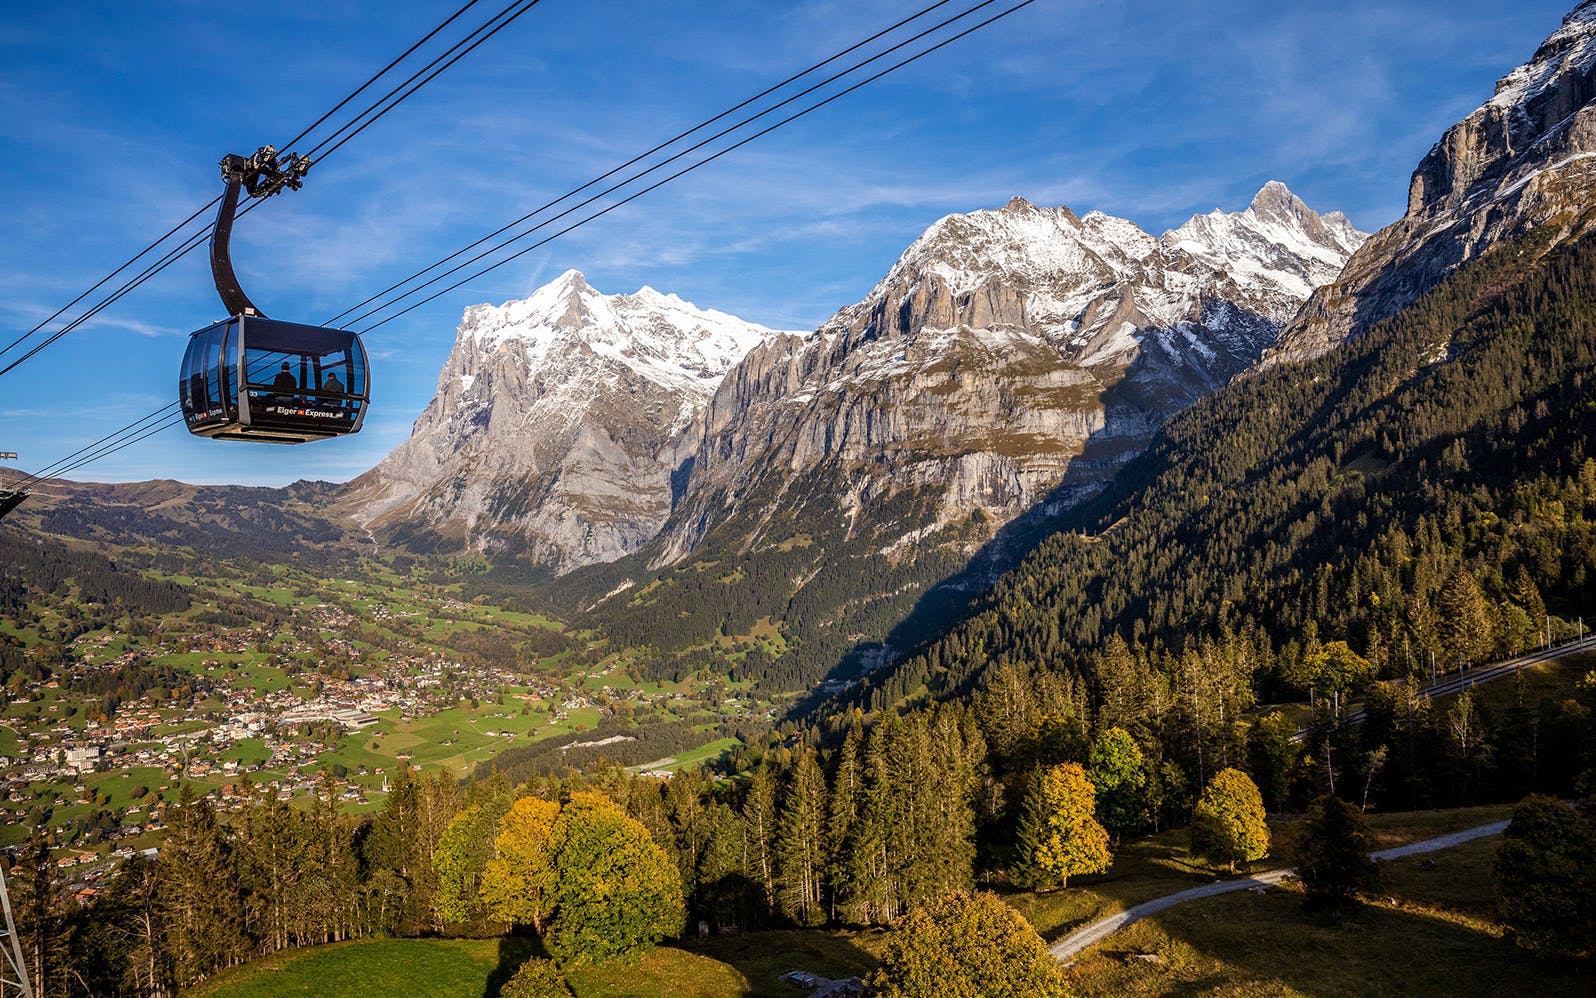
x: 1090, y: 935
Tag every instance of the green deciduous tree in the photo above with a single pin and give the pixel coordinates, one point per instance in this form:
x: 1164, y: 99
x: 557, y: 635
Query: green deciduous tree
x: 1228, y: 826
x: 966, y: 946
x: 1273, y: 757
x: 1059, y: 835
x: 1118, y: 771
x: 461, y: 857
x: 536, y: 978
x: 1545, y: 873
x: 1335, y: 669
x: 617, y: 891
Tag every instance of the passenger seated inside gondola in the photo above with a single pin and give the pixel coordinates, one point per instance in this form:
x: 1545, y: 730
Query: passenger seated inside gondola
x: 285, y: 380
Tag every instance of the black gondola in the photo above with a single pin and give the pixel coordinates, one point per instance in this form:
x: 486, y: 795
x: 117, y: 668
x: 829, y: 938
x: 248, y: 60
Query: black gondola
x: 253, y: 378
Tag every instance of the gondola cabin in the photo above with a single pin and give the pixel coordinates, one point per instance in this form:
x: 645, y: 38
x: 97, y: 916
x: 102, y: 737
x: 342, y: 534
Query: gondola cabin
x: 254, y: 378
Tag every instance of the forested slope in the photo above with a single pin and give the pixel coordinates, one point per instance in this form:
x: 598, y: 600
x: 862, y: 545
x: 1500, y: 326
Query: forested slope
x: 1428, y: 488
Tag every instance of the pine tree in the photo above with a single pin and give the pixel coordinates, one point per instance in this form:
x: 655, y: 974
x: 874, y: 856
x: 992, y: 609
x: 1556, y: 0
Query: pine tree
x: 1059, y: 835
x: 269, y: 858
x: 200, y: 901
x: 800, y: 854
x: 1545, y: 872
x: 843, y: 812
x: 1333, y: 857
x: 759, y: 815
x: 41, y: 926
x: 1464, y: 617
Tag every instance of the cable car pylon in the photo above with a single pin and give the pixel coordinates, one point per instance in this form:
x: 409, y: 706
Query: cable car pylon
x: 13, y: 972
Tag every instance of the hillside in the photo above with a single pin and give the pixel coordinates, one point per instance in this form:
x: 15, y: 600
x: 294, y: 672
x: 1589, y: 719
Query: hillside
x: 1428, y: 487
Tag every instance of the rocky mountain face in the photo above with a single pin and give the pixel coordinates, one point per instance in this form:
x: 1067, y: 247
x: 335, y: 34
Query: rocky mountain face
x: 554, y: 430
x: 848, y: 491
x: 1526, y: 159
x: 1010, y: 357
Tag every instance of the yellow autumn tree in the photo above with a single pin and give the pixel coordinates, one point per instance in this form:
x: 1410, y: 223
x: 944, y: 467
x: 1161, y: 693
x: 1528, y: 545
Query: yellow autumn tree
x: 966, y: 946
x: 1229, y: 826
x: 518, y: 882
x: 1059, y: 835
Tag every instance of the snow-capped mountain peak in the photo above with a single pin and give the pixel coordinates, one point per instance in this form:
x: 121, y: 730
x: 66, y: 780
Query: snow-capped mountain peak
x: 1524, y: 159
x: 661, y: 337
x: 555, y: 422
x: 1008, y: 351
x: 1277, y: 243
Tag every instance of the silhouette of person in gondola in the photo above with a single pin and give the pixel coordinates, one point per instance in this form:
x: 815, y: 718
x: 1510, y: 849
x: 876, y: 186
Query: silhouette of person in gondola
x: 334, y: 386
x: 285, y: 380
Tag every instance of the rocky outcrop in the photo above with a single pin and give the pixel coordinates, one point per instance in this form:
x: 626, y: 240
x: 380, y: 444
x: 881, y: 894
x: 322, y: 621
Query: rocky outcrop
x: 1524, y: 160
x: 1009, y: 357
x: 555, y: 426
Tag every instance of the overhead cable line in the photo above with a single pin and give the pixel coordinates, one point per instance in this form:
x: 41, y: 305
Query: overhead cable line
x: 505, y: 16
x: 99, y: 448
x: 379, y: 74
x: 118, y: 439
x: 689, y: 169
x: 523, y: 5
x: 644, y: 155
x: 131, y: 435
x: 102, y: 282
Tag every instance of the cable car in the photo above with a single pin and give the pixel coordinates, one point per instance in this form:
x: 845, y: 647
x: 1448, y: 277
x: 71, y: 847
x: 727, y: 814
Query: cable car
x: 249, y: 377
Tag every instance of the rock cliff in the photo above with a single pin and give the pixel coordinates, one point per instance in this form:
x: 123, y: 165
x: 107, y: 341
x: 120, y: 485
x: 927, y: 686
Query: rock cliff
x: 1525, y: 159
x: 554, y: 428
x: 1009, y: 357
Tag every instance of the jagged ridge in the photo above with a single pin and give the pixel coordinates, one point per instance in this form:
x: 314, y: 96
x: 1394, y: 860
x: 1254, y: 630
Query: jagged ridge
x: 1524, y: 159
x: 554, y: 427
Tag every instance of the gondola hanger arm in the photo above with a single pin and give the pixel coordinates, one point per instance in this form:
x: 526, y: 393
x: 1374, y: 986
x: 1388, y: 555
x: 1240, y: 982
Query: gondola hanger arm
x: 260, y: 176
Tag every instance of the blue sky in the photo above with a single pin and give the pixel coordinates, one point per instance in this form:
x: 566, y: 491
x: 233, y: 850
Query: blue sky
x: 113, y: 115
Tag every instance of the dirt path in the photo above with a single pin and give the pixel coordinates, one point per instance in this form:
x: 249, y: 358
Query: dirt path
x: 1090, y: 935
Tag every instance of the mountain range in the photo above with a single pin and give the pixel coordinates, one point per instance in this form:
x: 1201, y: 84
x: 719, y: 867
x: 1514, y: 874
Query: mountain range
x: 682, y: 478
x: 1003, y: 349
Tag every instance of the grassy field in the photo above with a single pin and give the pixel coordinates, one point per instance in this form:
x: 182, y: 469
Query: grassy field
x: 745, y: 966
x: 1163, y: 864
x: 380, y: 968
x: 1431, y: 930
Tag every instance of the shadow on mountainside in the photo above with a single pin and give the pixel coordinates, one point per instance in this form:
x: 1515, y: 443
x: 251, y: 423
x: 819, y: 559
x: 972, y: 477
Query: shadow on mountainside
x: 1105, y: 470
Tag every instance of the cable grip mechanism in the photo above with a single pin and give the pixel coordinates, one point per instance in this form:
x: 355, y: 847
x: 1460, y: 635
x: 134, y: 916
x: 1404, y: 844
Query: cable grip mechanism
x: 260, y: 176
